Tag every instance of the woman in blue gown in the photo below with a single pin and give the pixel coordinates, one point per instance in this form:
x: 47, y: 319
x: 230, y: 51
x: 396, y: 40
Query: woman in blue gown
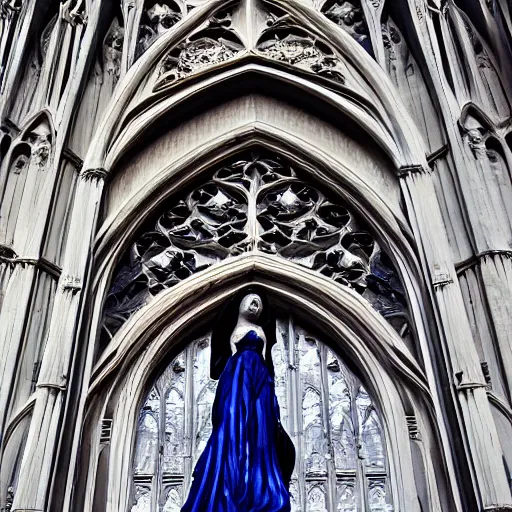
x: 247, y: 463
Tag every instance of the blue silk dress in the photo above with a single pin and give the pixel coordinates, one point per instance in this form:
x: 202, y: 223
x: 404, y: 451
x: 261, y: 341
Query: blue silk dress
x: 239, y: 470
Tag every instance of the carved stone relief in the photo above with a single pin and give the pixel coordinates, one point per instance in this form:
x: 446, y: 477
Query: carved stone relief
x: 405, y: 73
x: 254, y: 203
x: 29, y: 155
x: 100, y: 87
x: 483, y: 75
x: 157, y: 18
x: 492, y: 83
x: 9, y: 14
x: 51, y: 62
x: 25, y: 101
x: 349, y: 15
x: 215, y: 45
x: 113, y: 49
x: 493, y: 173
x: 301, y: 50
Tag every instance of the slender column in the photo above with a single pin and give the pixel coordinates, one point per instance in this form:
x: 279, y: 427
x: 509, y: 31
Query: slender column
x: 24, y: 240
x: 480, y: 204
x: 14, y: 63
x: 37, y: 466
x: 462, y: 361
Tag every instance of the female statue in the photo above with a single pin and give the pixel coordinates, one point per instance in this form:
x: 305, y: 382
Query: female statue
x: 248, y: 460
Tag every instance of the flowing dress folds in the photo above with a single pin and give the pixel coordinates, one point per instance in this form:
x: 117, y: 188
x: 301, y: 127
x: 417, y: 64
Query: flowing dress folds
x: 239, y: 470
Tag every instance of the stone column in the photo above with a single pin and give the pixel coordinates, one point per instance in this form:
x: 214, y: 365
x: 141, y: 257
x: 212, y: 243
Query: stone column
x: 38, y: 461
x: 460, y: 354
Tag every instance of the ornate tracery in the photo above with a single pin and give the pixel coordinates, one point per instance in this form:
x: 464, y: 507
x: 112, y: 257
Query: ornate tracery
x: 256, y: 202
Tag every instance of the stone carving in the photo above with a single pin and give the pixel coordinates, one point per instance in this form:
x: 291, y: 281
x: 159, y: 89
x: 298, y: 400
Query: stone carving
x: 491, y: 5
x: 254, y: 203
x: 476, y: 142
x: 350, y: 16
x: 20, y: 164
x: 194, y: 233
x: 41, y: 146
x: 490, y: 170
x: 406, y: 74
x: 113, y: 49
x: 196, y: 55
x: 214, y: 45
x: 46, y: 35
x: 303, y: 52
x: 9, y: 7
x: 157, y: 18
x: 9, y: 499
x: 74, y: 14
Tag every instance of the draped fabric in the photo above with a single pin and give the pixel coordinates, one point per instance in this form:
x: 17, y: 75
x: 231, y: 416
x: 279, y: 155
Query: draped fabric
x: 240, y: 469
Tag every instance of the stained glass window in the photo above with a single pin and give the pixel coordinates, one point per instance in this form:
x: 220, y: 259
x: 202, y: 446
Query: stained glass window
x: 336, y: 429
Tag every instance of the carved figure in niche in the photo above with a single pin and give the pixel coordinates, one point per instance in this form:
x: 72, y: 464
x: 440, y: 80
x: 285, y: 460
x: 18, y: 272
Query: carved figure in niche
x: 493, y: 88
x: 9, y: 10
x: 113, y: 50
x: 405, y: 73
x: 248, y: 461
x: 41, y: 146
x: 350, y: 17
x: 156, y: 20
x: 31, y: 92
x: 30, y: 158
x: 9, y: 499
x: 475, y: 142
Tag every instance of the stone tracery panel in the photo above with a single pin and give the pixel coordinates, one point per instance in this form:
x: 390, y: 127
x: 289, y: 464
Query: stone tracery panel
x: 288, y: 44
x: 216, y: 44
x: 256, y: 202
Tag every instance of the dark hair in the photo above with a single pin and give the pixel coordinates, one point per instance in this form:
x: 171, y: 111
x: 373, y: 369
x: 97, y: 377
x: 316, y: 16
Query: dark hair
x: 225, y: 324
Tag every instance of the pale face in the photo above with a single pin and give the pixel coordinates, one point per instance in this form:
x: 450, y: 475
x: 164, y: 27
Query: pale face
x: 251, y: 307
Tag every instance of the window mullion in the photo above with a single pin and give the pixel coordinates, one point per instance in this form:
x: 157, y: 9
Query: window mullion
x: 190, y: 417
x: 331, y: 463
x: 158, y: 483
x: 361, y: 472
x: 296, y: 411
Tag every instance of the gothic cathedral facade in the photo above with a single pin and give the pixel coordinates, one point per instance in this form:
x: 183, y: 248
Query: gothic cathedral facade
x: 350, y: 158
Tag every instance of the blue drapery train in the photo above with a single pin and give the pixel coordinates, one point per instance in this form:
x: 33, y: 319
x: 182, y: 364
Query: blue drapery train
x: 245, y: 466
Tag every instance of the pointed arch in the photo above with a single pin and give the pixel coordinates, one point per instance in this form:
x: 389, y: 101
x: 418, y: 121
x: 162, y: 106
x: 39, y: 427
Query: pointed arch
x: 363, y: 178
x: 396, y: 121
x: 392, y: 376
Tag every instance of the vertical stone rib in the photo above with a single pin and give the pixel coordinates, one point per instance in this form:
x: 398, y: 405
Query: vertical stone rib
x: 461, y: 358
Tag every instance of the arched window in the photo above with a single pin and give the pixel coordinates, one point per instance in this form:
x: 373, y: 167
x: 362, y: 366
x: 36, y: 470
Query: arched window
x: 255, y: 202
x: 334, y: 424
